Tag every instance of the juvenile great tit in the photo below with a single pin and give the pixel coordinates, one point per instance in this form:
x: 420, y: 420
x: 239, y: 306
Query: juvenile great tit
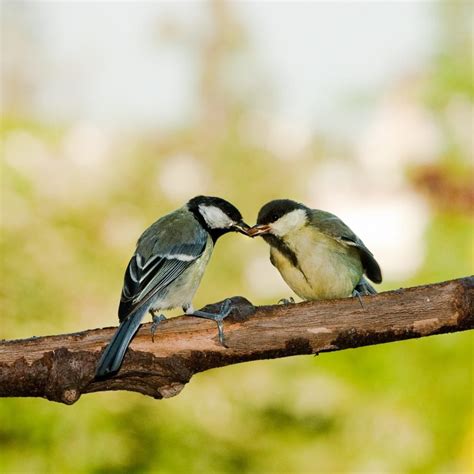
x: 317, y: 255
x: 166, y: 269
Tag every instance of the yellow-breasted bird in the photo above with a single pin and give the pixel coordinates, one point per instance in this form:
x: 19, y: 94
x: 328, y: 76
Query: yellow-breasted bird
x: 318, y: 256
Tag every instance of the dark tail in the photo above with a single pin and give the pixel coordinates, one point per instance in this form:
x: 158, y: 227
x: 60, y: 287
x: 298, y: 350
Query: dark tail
x: 112, y: 358
x: 365, y: 288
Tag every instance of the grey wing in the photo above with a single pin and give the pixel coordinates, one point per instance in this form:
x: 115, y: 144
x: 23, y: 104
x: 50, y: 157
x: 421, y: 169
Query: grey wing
x: 163, y: 253
x: 331, y: 225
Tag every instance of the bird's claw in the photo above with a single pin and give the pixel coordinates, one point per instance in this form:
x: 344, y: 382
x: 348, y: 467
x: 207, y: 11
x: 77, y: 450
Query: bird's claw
x: 156, y: 321
x: 356, y: 293
x: 286, y: 301
x: 226, y: 308
x: 220, y: 331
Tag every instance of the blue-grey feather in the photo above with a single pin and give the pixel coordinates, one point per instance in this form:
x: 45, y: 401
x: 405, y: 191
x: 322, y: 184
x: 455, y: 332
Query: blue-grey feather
x: 153, y: 265
x: 112, y: 358
x: 331, y: 225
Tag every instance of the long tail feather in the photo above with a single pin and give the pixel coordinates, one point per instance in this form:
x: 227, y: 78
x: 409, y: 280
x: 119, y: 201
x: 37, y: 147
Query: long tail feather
x: 113, y: 355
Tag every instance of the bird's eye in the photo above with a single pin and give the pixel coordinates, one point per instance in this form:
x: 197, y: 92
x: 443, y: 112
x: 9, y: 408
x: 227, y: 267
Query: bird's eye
x: 274, y: 217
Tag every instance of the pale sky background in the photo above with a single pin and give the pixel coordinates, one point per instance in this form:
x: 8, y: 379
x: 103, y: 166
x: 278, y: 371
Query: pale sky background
x: 103, y: 61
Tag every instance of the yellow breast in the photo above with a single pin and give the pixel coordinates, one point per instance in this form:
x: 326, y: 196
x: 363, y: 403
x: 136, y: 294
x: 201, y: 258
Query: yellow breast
x: 326, y: 268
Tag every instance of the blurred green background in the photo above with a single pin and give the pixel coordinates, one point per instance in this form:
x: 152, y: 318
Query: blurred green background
x: 116, y: 113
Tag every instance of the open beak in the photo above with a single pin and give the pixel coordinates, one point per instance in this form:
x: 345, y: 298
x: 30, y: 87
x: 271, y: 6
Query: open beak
x: 241, y: 227
x: 261, y: 229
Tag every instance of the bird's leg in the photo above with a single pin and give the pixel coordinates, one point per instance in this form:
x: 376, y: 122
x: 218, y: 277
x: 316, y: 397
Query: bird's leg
x: 226, y: 309
x: 286, y: 301
x: 358, y: 294
x: 156, y: 321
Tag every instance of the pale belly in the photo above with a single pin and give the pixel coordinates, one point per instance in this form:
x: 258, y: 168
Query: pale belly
x: 327, y: 270
x: 181, y: 292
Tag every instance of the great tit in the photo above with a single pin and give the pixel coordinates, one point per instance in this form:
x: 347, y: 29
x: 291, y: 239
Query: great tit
x: 166, y: 269
x: 318, y: 256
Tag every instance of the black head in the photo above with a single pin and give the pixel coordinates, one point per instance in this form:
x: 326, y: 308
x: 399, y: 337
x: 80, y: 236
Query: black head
x: 274, y: 210
x: 217, y: 215
x: 279, y: 217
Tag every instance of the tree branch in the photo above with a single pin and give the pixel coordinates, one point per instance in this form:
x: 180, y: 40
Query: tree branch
x: 61, y: 368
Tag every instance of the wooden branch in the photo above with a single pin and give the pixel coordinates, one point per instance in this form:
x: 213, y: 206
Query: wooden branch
x: 61, y: 368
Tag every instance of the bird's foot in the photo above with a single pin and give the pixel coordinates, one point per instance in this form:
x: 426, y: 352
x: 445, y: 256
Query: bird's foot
x: 357, y: 294
x: 156, y: 321
x: 286, y: 301
x: 226, y: 309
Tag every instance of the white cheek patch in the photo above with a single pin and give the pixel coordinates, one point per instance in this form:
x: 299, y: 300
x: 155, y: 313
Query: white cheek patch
x: 215, y: 218
x: 291, y: 221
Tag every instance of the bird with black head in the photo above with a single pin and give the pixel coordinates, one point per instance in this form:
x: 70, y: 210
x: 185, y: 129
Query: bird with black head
x: 318, y: 256
x: 166, y: 269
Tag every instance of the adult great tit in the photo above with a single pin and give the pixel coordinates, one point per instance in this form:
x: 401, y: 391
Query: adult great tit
x: 166, y: 269
x: 318, y: 256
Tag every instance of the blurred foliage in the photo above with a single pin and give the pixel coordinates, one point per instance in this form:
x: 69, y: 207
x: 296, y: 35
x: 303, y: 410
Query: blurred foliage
x: 68, y: 228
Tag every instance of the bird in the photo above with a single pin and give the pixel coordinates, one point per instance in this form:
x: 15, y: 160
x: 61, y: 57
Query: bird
x: 318, y: 256
x: 166, y: 269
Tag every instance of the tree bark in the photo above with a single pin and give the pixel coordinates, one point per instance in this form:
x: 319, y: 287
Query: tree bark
x: 61, y: 368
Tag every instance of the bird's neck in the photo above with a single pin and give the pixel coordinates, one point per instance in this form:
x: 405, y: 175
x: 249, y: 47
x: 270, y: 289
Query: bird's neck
x: 214, y: 233
x: 282, y: 247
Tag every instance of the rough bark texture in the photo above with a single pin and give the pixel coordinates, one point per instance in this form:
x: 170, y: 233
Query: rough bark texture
x: 61, y: 368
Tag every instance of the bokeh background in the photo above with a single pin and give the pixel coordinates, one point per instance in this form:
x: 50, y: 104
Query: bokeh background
x: 114, y: 113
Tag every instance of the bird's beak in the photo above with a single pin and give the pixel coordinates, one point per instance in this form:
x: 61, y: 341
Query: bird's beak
x: 241, y: 227
x: 259, y: 230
